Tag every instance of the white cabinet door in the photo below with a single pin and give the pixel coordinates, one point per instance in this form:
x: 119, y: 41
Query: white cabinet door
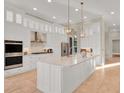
x: 29, y: 62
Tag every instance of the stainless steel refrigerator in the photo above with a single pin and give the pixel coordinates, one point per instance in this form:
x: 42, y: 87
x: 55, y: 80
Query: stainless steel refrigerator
x: 64, y: 49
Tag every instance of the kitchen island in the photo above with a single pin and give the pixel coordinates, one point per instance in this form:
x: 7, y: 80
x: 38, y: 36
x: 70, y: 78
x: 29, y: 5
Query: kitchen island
x: 64, y: 74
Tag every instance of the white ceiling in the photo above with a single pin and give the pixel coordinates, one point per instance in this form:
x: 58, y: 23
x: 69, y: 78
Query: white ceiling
x: 58, y: 8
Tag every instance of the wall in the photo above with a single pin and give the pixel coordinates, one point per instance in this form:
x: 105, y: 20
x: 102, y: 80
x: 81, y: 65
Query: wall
x: 115, y: 46
x: 111, y: 35
x: 115, y: 35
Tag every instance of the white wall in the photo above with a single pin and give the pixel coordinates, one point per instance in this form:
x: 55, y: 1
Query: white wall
x: 115, y: 46
x: 115, y: 35
x: 107, y: 46
x: 110, y: 36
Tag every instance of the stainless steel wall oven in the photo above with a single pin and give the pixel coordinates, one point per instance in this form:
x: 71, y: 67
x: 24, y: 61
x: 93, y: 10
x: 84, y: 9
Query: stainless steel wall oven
x: 13, y: 54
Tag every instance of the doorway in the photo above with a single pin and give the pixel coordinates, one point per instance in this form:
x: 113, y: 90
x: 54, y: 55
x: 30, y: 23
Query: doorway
x: 115, y: 48
x: 115, y: 52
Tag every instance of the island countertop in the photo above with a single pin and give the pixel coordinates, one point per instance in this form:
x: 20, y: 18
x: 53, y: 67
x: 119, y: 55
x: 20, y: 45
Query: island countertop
x: 67, y: 60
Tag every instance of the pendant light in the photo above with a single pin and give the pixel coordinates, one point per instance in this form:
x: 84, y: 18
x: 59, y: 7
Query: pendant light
x: 82, y: 34
x: 68, y: 31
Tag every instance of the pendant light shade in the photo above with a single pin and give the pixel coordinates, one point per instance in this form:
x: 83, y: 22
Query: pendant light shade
x: 82, y: 34
x: 68, y: 30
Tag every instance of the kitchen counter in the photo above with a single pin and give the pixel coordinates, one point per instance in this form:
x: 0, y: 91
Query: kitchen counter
x: 68, y: 60
x: 64, y: 74
x: 61, y: 61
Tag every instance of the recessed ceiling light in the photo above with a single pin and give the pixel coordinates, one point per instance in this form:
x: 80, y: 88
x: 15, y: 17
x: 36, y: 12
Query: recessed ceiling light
x: 85, y: 17
x: 54, y: 17
x: 112, y: 13
x: 76, y: 9
x: 35, y: 9
x: 49, y: 1
x: 114, y: 24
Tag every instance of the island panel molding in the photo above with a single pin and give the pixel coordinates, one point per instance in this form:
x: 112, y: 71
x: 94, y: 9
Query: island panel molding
x: 64, y: 75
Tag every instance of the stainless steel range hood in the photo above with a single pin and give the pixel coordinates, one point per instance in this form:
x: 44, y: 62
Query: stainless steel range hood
x: 37, y: 37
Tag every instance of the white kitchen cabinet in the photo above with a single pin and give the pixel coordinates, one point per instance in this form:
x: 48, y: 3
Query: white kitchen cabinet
x: 30, y: 62
x: 9, y: 16
x: 28, y: 65
x: 12, y: 72
x: 18, y: 18
x: 64, y: 75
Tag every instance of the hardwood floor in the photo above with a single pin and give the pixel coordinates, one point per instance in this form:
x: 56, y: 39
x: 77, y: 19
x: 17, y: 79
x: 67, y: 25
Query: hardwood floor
x: 22, y: 83
x: 105, y: 80
x: 113, y: 60
x: 102, y: 81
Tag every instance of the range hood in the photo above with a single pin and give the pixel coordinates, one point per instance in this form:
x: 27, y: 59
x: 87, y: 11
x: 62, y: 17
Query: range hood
x: 36, y: 37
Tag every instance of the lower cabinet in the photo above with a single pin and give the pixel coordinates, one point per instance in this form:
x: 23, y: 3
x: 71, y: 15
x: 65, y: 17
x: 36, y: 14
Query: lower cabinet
x: 12, y: 72
x: 29, y: 63
x: 53, y: 78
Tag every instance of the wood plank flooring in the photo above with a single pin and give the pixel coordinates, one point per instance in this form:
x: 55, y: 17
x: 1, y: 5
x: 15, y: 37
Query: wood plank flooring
x: 102, y: 81
x: 113, y: 60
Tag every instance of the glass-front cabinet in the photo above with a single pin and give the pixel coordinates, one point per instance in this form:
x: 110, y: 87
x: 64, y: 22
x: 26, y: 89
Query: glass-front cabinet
x: 73, y: 45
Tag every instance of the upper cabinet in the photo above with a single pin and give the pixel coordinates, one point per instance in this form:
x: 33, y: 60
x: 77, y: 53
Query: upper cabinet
x: 9, y: 16
x: 18, y: 18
